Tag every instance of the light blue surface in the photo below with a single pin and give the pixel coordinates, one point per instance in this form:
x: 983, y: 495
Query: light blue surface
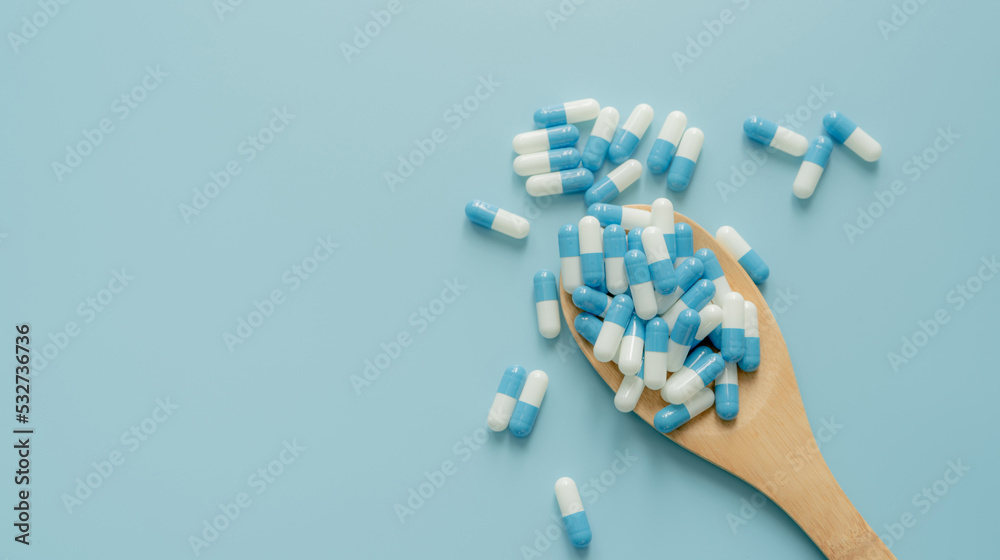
x: 403, y: 245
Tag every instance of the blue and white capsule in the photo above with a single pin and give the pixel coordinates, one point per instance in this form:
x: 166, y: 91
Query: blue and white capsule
x: 727, y: 392
x: 671, y: 417
x: 592, y: 252
x: 634, y: 238
x: 843, y: 130
x: 711, y: 318
x: 733, y: 318
x: 689, y: 380
x: 751, y: 332
x: 684, y: 237
x: 666, y: 143
x: 696, y: 298
x: 661, y: 268
x: 615, y: 247
x: 627, y: 137
x: 588, y: 326
x: 563, y: 136
x: 574, y: 517
x: 546, y: 162
x: 522, y: 420
x: 571, y: 112
x: 619, y: 179
x: 628, y: 393
x: 682, y: 168
x: 596, y: 149
x: 628, y: 218
x: 613, y: 328
x: 713, y: 272
x: 662, y: 216
x: 655, y: 358
x: 688, y: 273
x: 640, y: 284
x: 547, y: 304
x: 497, y: 219
x: 693, y: 357
x: 812, y: 167
x: 503, y: 404
x: 560, y: 182
x: 778, y: 137
x: 743, y: 253
x: 681, y: 339
x: 569, y: 258
x: 592, y: 301
x: 630, y: 350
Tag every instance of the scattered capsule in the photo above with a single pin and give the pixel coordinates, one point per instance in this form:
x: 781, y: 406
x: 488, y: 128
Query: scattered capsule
x: 681, y: 339
x: 628, y: 393
x: 751, y: 353
x: 843, y: 130
x: 634, y: 238
x: 571, y: 507
x: 727, y: 393
x: 655, y: 360
x: 713, y: 272
x: 662, y: 216
x: 628, y: 218
x: 619, y: 179
x: 733, y: 343
x: 777, y: 137
x: 546, y: 139
x: 682, y: 168
x: 696, y: 298
x: 684, y: 237
x: 569, y: 258
x: 588, y: 326
x: 600, y: 139
x: 567, y: 113
x: 545, y: 162
x: 640, y: 284
x: 661, y: 268
x: 560, y: 182
x: 615, y: 247
x: 688, y: 273
x: 741, y: 251
x: 526, y: 409
x: 665, y: 146
x: 711, y: 318
x: 812, y: 167
x: 610, y: 337
x: 592, y: 252
x: 671, y: 417
x: 497, y: 219
x: 689, y: 380
x: 694, y: 357
x: 547, y: 304
x: 592, y: 301
x: 630, y: 353
x: 627, y: 137
x: 503, y: 404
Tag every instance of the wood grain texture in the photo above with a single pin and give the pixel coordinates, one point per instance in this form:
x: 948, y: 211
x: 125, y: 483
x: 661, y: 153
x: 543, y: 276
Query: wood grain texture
x: 769, y: 444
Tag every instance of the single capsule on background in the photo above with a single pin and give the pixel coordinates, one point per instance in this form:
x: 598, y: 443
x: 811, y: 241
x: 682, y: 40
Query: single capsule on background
x: 628, y: 218
x: 640, y: 284
x: 627, y: 137
x: 630, y: 352
x: 610, y: 337
x: 526, y: 410
x: 727, y: 393
x: 546, y: 139
x: 843, y: 130
x: 592, y: 301
x: 662, y: 216
x: 615, y: 247
x: 688, y: 273
x: 733, y: 343
x: 696, y: 298
x: 682, y: 168
x: 743, y: 253
x: 600, y: 139
x: 628, y: 393
x: 684, y: 237
x: 690, y: 379
x: 546, y: 162
x: 671, y: 417
x: 591, y: 252
x: 571, y: 508
x: 812, y: 167
x: 713, y: 272
x: 681, y: 339
x: 547, y: 304
x: 567, y: 113
x: 503, y: 404
x: 560, y: 182
x: 665, y: 146
x: 711, y: 318
x: 569, y: 258
x: 778, y: 137
x: 661, y: 267
x: 619, y: 179
x: 497, y: 219
x: 588, y: 326
x: 655, y: 359
x: 751, y: 353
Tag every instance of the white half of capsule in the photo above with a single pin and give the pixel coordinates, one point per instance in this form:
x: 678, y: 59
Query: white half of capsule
x: 634, y: 217
x: 673, y: 127
x: 733, y: 242
x: 581, y: 110
x: 864, y: 145
x: 623, y: 176
x: 728, y: 375
x: 654, y: 245
x: 662, y: 215
x: 665, y: 302
x: 751, y: 328
x: 639, y: 119
x: 655, y: 369
x: 733, y: 311
x: 615, y: 275
x: 676, y: 354
x: 806, y: 179
x: 591, y: 235
x: 700, y: 402
x: 683, y: 385
x: 549, y: 323
x: 630, y: 355
x: 628, y: 393
x: 531, y: 142
x: 790, y: 142
x: 690, y: 146
x: 608, y: 341
x: 534, y: 388
x: 500, y: 412
x: 644, y: 299
x: 671, y: 314
x: 711, y: 317
x: 571, y: 274
x: 510, y: 224
x: 568, y: 496
x: 721, y: 288
x: 606, y: 124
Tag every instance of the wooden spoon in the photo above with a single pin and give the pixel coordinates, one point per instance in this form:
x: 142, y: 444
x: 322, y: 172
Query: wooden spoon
x: 769, y: 444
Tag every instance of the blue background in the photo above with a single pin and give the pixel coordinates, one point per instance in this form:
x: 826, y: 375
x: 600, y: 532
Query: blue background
x: 847, y: 301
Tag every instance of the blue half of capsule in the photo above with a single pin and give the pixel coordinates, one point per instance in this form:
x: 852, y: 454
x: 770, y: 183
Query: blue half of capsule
x: 546, y: 287
x: 660, y: 156
x: 751, y: 354
x: 715, y: 337
x: 685, y: 327
x: 684, y: 238
x: 569, y: 241
x: 709, y: 367
x: 679, y: 176
x: 588, y: 326
x: 635, y: 239
x: 727, y: 400
x: 481, y: 213
x: 755, y: 266
x: 592, y: 269
x: 689, y: 272
x: 760, y: 130
x: 622, y: 145
x: 699, y: 295
x: 591, y: 300
x: 578, y: 529
x: 713, y: 270
x: 819, y: 151
x: 636, y: 267
x: 595, y: 152
x: 657, y: 335
x: 615, y: 241
x: 621, y: 310
x: 838, y: 126
x: 606, y: 213
x: 664, y: 276
x: 733, y: 344
x: 513, y: 381
x: 696, y: 355
x: 563, y: 158
x: 562, y: 136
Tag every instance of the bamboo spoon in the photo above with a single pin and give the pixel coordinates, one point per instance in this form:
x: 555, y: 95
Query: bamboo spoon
x: 770, y: 432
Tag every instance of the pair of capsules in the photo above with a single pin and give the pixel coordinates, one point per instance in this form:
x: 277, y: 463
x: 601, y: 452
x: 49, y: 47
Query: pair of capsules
x: 817, y: 153
x: 517, y: 401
